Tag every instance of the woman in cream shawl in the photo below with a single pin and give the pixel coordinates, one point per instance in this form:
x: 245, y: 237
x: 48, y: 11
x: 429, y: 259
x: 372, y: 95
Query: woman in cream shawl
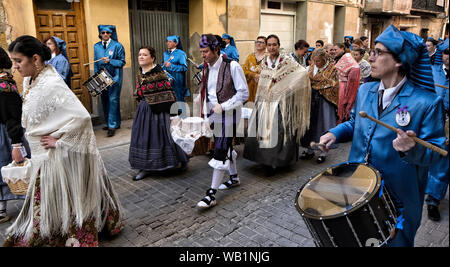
x: 70, y: 198
x: 281, y: 114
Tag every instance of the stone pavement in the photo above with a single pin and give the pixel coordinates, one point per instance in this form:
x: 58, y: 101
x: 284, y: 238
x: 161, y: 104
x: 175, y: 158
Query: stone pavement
x: 160, y: 211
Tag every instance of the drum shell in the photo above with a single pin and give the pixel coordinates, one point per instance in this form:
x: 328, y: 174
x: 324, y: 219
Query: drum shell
x: 368, y: 224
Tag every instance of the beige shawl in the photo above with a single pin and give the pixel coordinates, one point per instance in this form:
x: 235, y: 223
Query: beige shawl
x: 287, y: 87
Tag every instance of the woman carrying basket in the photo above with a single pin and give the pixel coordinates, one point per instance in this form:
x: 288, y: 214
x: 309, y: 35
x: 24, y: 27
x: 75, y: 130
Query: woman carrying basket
x: 11, y: 131
x: 70, y: 198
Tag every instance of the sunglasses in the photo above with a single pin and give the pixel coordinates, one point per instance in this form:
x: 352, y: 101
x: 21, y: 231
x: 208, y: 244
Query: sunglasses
x: 105, y: 32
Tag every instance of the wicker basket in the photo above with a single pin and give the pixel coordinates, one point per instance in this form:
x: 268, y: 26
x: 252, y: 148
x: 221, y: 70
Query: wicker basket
x: 19, y: 188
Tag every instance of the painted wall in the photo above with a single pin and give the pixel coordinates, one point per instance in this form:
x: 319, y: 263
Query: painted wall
x: 320, y: 23
x: 352, y: 22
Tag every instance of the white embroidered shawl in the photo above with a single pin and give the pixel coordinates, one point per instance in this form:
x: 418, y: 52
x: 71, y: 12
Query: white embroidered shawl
x: 286, y: 87
x: 73, y: 180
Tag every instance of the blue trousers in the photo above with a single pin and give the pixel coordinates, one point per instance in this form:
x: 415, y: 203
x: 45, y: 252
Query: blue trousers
x: 437, y: 181
x: 111, y: 106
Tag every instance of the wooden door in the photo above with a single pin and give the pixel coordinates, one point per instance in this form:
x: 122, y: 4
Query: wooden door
x: 68, y: 24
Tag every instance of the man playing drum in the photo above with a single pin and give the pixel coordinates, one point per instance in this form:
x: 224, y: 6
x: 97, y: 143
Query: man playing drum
x: 396, y: 60
x: 223, y: 91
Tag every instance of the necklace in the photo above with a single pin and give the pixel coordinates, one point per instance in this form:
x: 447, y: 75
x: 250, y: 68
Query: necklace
x: 273, y: 62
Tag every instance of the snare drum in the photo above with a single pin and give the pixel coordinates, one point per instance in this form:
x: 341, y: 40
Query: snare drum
x: 197, y: 77
x: 98, y: 82
x: 347, y: 206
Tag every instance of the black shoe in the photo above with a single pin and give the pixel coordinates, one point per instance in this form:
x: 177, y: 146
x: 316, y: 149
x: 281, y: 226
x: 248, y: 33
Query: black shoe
x: 111, y: 132
x: 433, y: 213
x: 141, y: 175
x: 106, y: 128
x: 306, y: 156
x: 321, y: 159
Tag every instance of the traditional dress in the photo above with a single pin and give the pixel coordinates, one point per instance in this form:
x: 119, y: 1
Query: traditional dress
x: 349, y: 74
x: 252, y: 67
x: 324, y: 101
x: 70, y: 197
x: 116, y: 54
x: 230, y: 49
x: 11, y: 131
x: 281, y: 114
x: 61, y: 61
x: 178, y: 60
x: 404, y: 174
x: 152, y: 147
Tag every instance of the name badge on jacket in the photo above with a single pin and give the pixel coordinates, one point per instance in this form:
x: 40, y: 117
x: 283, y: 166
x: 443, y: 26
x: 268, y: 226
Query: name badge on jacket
x: 402, y: 116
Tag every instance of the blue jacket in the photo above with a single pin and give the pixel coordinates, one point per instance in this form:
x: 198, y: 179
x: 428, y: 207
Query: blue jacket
x: 62, y: 66
x: 177, y: 70
x: 405, y: 177
x: 116, y: 54
x: 440, y: 78
x: 232, y: 53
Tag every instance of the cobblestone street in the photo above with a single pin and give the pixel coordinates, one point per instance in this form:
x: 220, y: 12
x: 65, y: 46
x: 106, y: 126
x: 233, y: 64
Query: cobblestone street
x: 161, y: 210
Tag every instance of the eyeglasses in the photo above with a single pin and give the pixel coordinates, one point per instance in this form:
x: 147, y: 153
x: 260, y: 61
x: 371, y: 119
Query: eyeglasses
x: 376, y: 52
x: 106, y: 33
x: 259, y: 42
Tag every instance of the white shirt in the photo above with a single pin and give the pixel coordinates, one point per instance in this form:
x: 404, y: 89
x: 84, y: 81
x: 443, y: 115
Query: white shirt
x: 239, y: 81
x: 107, y: 42
x: 390, y: 93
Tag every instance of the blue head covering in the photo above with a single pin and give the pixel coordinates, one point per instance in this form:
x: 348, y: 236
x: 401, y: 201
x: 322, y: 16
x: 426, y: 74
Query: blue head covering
x: 176, y: 39
x: 310, y: 49
x: 108, y: 28
x: 413, y: 54
x: 349, y: 37
x: 227, y: 36
x: 62, y: 46
x: 439, y: 49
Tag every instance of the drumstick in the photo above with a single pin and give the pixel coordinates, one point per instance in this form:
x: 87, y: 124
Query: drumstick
x: 314, y: 144
x: 192, y: 62
x: 92, y: 62
x: 168, y: 60
x: 416, y: 139
x: 442, y: 86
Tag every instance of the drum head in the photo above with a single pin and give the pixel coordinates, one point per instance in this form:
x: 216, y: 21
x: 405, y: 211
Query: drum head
x: 338, y: 191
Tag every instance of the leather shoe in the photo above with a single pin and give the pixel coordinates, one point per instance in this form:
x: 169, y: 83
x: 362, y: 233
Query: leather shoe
x: 306, y: 156
x: 106, y: 128
x: 111, y: 132
x: 321, y: 159
x: 433, y: 213
x: 141, y: 175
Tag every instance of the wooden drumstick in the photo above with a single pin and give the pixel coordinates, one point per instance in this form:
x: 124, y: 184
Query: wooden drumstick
x: 92, y: 62
x: 314, y: 144
x: 442, y: 86
x: 416, y: 139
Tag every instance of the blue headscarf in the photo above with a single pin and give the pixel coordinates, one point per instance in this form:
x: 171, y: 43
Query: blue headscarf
x: 62, y: 46
x: 439, y: 49
x: 349, y: 37
x: 107, y: 28
x: 176, y: 39
x: 310, y: 49
x: 412, y: 52
x: 227, y: 36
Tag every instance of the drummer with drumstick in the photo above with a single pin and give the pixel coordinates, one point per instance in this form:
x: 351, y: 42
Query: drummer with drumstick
x: 404, y: 101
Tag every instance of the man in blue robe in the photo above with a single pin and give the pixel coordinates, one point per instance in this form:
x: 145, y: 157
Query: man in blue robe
x: 230, y: 47
x: 400, y: 60
x: 175, y: 63
x: 112, y: 55
x: 438, y: 176
x: 59, y: 59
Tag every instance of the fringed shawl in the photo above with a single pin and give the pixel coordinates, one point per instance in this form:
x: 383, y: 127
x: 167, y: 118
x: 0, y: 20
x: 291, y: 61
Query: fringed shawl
x: 73, y: 180
x: 288, y: 88
x: 326, y: 81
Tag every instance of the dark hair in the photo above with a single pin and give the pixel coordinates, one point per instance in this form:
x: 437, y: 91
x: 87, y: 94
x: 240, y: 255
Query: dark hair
x: 5, y: 61
x: 361, y: 51
x: 434, y: 42
x: 222, y: 43
x: 212, y: 42
x: 274, y: 36
x: 363, y: 38
x: 358, y: 42
x: 445, y: 51
x: 57, y: 51
x: 151, y: 50
x: 301, y: 44
x: 342, y: 45
x: 320, y: 42
x: 262, y: 37
x: 30, y: 46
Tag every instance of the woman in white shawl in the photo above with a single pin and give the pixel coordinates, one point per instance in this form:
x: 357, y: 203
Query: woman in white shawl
x: 70, y: 198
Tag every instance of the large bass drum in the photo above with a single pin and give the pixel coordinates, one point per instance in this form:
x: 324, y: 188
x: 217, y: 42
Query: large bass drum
x: 347, y: 205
